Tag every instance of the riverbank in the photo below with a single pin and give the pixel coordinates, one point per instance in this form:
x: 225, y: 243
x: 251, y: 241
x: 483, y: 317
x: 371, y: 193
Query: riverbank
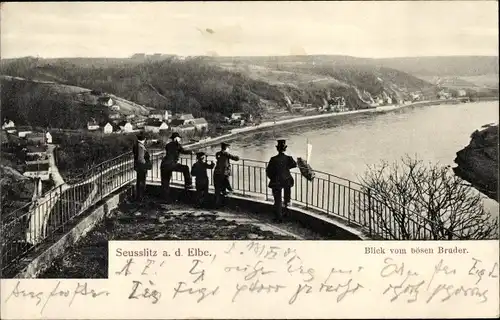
x: 282, y: 125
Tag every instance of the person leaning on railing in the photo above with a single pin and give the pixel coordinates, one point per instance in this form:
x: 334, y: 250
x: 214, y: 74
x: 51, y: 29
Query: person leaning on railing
x: 222, y: 172
x: 199, y: 171
x: 142, y: 163
x: 170, y: 163
x: 278, y: 172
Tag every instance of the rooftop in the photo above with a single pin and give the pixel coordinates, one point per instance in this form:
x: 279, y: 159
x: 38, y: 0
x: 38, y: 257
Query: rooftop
x: 37, y: 167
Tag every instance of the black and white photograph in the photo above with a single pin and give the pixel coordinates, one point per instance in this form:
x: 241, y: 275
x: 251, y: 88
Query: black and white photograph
x: 362, y: 120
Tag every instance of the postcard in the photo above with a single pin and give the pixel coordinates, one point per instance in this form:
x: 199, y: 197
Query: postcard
x: 249, y: 160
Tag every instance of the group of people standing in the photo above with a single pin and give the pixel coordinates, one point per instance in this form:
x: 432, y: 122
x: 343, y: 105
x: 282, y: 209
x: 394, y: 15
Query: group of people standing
x: 278, y: 172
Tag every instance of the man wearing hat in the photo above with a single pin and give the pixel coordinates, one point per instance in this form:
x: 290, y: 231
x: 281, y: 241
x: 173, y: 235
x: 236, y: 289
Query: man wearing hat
x: 280, y: 178
x: 142, y: 164
x: 222, y: 172
x: 199, y: 171
x: 170, y: 163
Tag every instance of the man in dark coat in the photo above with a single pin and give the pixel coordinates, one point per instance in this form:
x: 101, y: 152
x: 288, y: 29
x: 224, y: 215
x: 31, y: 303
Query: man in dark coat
x: 199, y: 171
x: 278, y: 172
x: 142, y: 164
x: 222, y: 172
x: 170, y: 163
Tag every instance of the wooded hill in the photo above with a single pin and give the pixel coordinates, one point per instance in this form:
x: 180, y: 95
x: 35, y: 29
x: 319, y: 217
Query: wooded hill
x: 205, y: 87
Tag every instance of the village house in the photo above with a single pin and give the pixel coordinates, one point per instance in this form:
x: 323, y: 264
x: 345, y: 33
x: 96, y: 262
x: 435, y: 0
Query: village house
x: 92, y: 125
x: 443, y: 95
x: 23, y: 131
x: 200, y: 124
x: 160, y: 115
x: 236, y: 116
x: 126, y: 126
x: 39, y: 170
x: 36, y: 159
x: 130, y: 116
x: 36, y: 138
x: 115, y: 107
x: 139, y: 122
x: 462, y: 93
x: 48, y: 138
x: 40, y: 151
x: 9, y: 126
x: 115, y: 116
x: 155, y: 125
x: 177, y: 122
x: 184, y: 116
x: 108, y: 128
x: 185, y: 128
x: 105, y: 101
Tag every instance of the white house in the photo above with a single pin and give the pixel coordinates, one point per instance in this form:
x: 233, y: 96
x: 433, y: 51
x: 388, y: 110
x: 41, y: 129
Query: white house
x: 236, y: 116
x: 40, y: 151
x: 106, y: 101
x: 108, y: 128
x: 23, y: 131
x: 48, y: 138
x: 8, y: 124
x: 462, y: 93
x: 40, y: 171
x: 92, y: 126
x: 155, y: 126
x: 115, y: 107
x: 200, y: 123
x: 127, y: 127
x: 160, y: 115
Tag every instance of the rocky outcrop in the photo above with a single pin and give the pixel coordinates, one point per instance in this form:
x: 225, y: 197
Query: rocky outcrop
x: 478, y: 162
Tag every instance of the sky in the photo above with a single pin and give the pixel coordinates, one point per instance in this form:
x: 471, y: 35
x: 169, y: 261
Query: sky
x: 374, y: 29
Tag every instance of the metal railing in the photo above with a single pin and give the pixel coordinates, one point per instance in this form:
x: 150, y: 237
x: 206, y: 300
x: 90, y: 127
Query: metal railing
x: 26, y: 228
x: 331, y: 195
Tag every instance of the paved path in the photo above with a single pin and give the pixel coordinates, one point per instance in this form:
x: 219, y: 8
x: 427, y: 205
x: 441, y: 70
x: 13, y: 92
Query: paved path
x: 56, y: 175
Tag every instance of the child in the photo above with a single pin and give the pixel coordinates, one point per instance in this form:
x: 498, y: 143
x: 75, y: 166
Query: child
x: 199, y: 171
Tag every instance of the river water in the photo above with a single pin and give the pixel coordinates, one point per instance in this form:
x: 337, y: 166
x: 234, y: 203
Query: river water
x: 344, y: 147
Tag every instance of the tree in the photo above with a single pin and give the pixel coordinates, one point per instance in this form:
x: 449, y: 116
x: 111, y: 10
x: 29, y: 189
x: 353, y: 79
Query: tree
x: 412, y: 200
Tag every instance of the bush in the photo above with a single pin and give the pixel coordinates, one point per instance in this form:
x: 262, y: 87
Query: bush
x: 415, y: 200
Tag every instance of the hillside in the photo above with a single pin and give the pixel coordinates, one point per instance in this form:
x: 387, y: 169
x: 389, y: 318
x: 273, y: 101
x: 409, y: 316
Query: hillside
x: 45, y: 103
x: 471, y: 71
x: 444, y: 66
x: 211, y: 87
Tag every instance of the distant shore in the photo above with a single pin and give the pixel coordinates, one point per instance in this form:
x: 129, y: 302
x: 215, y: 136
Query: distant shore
x: 281, y: 125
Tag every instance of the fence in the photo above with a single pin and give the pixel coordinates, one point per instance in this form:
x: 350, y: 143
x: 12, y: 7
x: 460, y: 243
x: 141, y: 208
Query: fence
x: 25, y: 229
x: 334, y: 196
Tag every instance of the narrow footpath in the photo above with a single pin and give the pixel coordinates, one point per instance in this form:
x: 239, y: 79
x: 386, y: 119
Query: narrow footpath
x: 56, y: 175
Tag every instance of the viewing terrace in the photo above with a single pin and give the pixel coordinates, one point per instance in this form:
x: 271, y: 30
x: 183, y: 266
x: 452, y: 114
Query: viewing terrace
x: 83, y: 214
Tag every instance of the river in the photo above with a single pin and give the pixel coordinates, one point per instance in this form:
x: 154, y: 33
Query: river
x: 344, y: 147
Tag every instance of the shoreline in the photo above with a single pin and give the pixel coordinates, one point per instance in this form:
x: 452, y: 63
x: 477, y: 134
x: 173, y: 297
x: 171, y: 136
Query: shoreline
x: 301, y: 121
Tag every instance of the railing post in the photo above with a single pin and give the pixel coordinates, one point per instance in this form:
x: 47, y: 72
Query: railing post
x: 265, y: 182
x: 369, y: 212
x: 243, y: 163
x: 348, y: 201
x: 307, y: 191
x: 328, y: 196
